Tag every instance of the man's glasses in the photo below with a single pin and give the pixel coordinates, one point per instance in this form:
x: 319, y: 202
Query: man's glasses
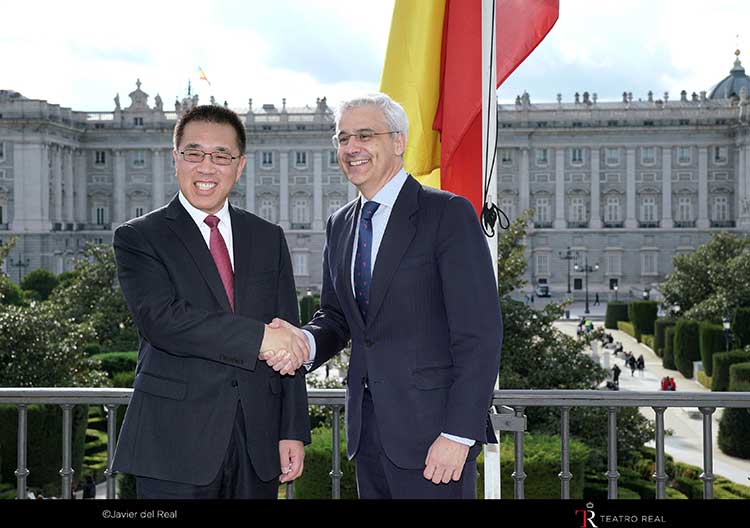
x: 363, y: 136
x: 217, y: 158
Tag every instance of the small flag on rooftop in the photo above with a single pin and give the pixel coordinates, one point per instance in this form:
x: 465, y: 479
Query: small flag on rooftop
x: 203, y: 75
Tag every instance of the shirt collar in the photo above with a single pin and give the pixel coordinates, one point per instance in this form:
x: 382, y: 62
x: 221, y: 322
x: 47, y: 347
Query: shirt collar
x: 389, y: 193
x: 199, y: 216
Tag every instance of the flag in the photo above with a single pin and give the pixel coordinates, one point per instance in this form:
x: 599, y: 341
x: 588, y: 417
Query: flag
x: 203, y: 75
x: 436, y: 75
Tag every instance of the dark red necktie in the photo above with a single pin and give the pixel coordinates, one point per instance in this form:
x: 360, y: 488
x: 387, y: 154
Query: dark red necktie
x: 221, y: 257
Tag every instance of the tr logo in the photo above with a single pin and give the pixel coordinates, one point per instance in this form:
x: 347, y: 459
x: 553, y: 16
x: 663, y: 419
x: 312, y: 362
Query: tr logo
x: 587, y: 516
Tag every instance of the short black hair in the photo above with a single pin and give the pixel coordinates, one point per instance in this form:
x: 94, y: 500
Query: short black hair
x: 211, y: 114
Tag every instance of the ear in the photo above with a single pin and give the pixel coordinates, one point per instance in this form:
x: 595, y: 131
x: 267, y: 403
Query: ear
x: 240, y: 167
x: 399, y: 144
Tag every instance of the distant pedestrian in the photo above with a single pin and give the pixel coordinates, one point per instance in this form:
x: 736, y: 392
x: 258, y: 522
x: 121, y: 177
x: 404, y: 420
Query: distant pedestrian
x: 596, y: 299
x: 671, y: 384
x: 640, y: 364
x: 616, y: 374
x: 532, y: 298
x: 632, y: 364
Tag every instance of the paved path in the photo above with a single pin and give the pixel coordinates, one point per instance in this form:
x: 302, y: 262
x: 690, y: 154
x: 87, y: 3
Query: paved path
x: 686, y: 442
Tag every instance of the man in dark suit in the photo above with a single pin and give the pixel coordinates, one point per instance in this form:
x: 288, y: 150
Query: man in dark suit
x: 407, y: 276
x: 201, y: 277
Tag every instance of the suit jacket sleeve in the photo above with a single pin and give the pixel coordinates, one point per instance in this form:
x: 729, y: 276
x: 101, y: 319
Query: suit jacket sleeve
x: 295, y: 418
x: 474, y: 320
x: 328, y: 325
x: 172, y: 324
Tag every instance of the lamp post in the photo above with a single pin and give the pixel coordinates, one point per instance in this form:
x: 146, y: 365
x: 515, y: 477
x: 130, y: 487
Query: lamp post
x: 727, y: 328
x: 646, y: 294
x: 615, y: 287
x: 586, y: 270
x: 568, y: 255
x: 21, y: 264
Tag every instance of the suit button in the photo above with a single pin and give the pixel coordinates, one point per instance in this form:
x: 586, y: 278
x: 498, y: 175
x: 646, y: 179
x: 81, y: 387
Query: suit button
x: 368, y: 343
x: 234, y: 383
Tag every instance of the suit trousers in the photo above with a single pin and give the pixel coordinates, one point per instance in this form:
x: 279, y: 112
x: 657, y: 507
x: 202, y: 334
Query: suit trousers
x: 236, y: 478
x: 379, y: 478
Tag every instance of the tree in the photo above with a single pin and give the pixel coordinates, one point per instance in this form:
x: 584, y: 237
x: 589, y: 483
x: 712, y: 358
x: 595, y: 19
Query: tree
x: 536, y: 355
x: 39, y: 283
x: 10, y: 293
x: 39, y: 347
x: 713, y: 280
x: 91, y: 295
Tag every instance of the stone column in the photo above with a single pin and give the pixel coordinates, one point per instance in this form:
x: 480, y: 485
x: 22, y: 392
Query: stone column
x: 596, y: 210
x: 631, y: 221
x: 317, y: 223
x: 68, y: 187
x: 743, y: 180
x: 250, y: 183
x: 703, y: 222
x: 56, y: 154
x: 118, y: 191
x: 81, y: 185
x: 30, y: 187
x: 284, y: 189
x: 666, y: 188
x: 523, y: 182
x: 560, y: 222
x: 157, y: 178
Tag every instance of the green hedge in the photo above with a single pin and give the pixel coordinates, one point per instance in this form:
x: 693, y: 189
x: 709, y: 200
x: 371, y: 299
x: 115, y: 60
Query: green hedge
x: 711, y: 342
x: 643, y: 315
x: 722, y: 362
x: 114, y: 362
x: 616, y: 311
x: 686, y: 346
x: 667, y: 359
x: 741, y: 327
x: 648, y: 340
x: 704, y: 379
x: 626, y: 327
x: 315, y: 482
x: 660, y: 327
x: 44, y: 444
x: 739, y: 377
x: 734, y: 426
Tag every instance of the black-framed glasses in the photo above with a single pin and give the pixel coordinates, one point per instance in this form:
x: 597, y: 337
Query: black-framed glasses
x: 217, y: 158
x: 363, y: 136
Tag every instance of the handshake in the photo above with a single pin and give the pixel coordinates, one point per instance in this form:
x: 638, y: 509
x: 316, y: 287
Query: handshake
x: 285, y: 347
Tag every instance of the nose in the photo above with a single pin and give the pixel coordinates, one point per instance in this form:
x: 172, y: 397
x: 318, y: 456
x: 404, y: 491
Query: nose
x: 206, y: 166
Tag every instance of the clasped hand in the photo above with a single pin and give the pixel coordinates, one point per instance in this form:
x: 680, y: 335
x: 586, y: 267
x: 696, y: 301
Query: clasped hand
x: 285, y: 347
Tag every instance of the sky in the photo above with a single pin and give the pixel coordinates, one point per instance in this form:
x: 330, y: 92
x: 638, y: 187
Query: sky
x: 81, y: 53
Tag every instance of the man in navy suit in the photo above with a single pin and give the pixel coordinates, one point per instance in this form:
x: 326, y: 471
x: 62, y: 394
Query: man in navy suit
x: 201, y: 277
x: 407, y: 276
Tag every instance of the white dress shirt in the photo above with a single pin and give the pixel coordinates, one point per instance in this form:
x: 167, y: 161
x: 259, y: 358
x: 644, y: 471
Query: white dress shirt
x: 225, y: 224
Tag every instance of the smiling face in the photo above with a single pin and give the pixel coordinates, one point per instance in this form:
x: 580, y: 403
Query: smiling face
x: 205, y: 184
x: 369, y: 165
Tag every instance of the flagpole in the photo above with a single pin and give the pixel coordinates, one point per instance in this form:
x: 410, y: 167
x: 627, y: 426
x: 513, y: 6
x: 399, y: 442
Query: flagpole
x: 489, y: 172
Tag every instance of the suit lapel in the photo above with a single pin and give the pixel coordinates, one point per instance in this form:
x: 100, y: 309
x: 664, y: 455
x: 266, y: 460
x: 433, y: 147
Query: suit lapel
x: 242, y: 242
x: 345, y: 275
x: 183, y: 226
x: 398, y: 235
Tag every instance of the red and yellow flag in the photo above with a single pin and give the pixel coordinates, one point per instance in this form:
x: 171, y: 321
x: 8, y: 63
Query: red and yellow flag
x: 433, y: 68
x: 203, y: 75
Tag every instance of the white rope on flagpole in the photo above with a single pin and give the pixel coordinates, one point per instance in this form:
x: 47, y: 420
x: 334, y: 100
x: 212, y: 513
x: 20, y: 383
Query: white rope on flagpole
x: 489, y: 172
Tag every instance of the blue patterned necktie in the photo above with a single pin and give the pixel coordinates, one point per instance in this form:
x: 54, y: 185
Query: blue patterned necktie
x: 363, y: 258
